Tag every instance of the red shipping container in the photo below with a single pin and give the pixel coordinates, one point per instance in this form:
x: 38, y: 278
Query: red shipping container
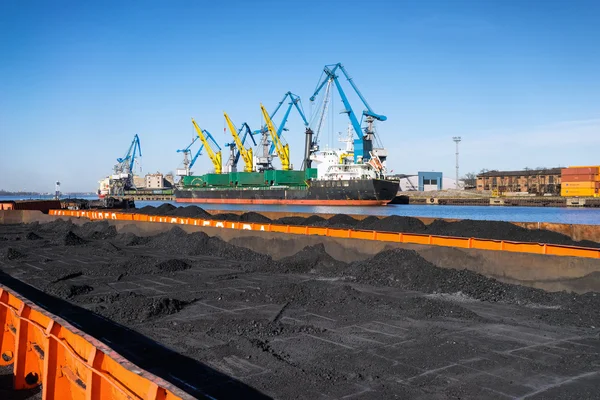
x: 580, y: 178
x: 580, y: 171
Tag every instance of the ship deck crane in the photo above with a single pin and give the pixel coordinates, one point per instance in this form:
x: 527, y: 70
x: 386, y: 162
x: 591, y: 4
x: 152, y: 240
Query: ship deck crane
x: 363, y: 146
x: 187, y: 163
x: 283, y: 151
x: 125, y: 164
x: 215, y: 157
x: 123, y: 176
x: 246, y: 153
x: 294, y: 101
x: 235, y: 154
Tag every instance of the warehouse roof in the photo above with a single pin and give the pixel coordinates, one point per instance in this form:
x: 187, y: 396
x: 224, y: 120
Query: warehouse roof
x: 546, y: 171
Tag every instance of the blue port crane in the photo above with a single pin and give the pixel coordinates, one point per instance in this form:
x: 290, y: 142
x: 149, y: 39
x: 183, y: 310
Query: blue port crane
x: 125, y: 164
x: 187, y: 152
x: 123, y: 177
x: 248, y: 133
x: 293, y: 102
x: 363, y: 145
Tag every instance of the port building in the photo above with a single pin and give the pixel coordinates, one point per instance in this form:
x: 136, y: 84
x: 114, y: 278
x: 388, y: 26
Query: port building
x: 534, y: 181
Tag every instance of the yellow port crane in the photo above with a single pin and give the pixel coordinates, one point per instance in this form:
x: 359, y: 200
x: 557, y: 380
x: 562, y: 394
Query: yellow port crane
x: 214, y: 157
x: 245, y: 153
x: 283, y: 151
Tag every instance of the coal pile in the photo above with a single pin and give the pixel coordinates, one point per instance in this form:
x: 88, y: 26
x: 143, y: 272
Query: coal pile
x: 13, y: 254
x: 308, y: 325
x: 290, y: 221
x: 494, y: 230
x: 105, y: 248
x: 342, y: 221
x: 131, y: 239
x: 68, y: 291
x: 422, y: 307
x: 226, y: 217
x: 396, y: 223
x: 312, y: 259
x: 165, y: 209
x: 367, y: 223
x: 254, y: 218
x: 179, y: 241
x: 190, y: 212
x: 132, y: 307
x: 199, y: 243
x: 136, y: 265
x: 315, y: 220
x: 96, y: 230
x: 172, y: 265
x: 146, y: 210
x: 499, y: 230
x: 71, y: 239
x: 33, y: 236
x: 56, y: 226
x: 406, y: 269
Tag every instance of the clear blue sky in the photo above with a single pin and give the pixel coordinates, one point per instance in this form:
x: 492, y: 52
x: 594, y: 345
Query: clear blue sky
x: 518, y: 80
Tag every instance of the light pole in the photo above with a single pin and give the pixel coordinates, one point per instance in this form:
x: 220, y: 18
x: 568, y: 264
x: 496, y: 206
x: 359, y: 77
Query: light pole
x: 457, y: 140
x: 57, y: 191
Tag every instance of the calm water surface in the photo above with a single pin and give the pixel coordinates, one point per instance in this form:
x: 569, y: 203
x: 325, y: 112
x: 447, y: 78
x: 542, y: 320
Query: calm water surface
x: 523, y: 214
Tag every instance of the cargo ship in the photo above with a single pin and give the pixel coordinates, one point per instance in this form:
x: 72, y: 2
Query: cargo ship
x: 341, y: 192
x: 332, y: 183
x: 354, y: 176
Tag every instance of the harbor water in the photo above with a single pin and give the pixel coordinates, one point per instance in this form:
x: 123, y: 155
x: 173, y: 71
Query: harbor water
x: 588, y: 216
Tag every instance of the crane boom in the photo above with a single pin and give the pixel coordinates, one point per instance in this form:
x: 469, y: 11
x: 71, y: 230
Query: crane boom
x: 364, y: 144
x: 247, y: 133
x: 246, y: 153
x: 187, y: 152
x: 214, y: 157
x: 126, y: 163
x: 294, y: 102
x: 283, y: 151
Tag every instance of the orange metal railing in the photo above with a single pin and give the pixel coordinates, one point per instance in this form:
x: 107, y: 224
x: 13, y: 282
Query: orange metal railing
x: 410, y: 238
x: 68, y: 363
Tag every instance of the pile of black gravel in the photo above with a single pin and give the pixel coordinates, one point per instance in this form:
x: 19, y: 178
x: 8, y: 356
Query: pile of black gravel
x: 134, y: 307
x: 312, y: 259
x: 199, y: 243
x: 254, y: 218
x: 406, y: 269
x: 13, y: 254
x: 500, y: 230
x: 172, y: 265
x: 71, y: 239
x: 396, y: 223
x: 189, y: 212
x: 400, y: 268
x: 68, y: 291
x: 56, y: 226
x: 495, y: 230
x: 96, y: 230
x: 33, y: 236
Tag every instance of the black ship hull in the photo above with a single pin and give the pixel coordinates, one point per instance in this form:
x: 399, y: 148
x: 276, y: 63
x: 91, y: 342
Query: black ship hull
x: 367, y: 192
